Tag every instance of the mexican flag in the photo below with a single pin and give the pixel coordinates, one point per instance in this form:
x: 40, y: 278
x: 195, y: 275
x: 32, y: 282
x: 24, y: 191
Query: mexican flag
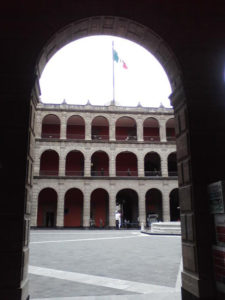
x: 117, y: 59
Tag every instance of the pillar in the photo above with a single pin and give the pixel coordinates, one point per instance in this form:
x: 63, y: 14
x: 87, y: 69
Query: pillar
x: 140, y: 130
x: 62, y: 165
x: 112, y: 130
x: 63, y: 126
x: 141, y: 208
x: 141, y: 166
x: 165, y: 203
x: 87, y: 165
x: 194, y: 152
x: 112, y: 209
x: 60, y: 208
x: 38, y: 125
x: 162, y: 130
x: 87, y: 207
x: 112, y: 166
x: 88, y: 129
x: 34, y: 207
x: 164, y: 164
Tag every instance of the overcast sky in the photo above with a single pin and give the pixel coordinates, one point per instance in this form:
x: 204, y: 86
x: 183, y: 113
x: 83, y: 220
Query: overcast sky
x: 83, y: 70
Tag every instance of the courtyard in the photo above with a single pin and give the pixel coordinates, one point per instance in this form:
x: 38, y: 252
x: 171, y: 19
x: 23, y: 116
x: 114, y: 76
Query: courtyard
x: 104, y: 264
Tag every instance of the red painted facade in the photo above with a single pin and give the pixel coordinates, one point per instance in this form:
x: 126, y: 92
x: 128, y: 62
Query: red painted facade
x: 100, y: 164
x: 73, y: 208
x: 49, y: 164
x: 99, y: 207
x: 126, y: 164
x: 47, y: 206
x: 74, y: 164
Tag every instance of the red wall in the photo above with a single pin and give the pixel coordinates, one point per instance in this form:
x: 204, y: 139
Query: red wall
x: 125, y: 161
x: 101, y: 160
x: 48, y: 129
x: 75, y: 130
x: 74, y: 206
x: 47, y: 202
x: 74, y: 162
x: 170, y: 132
x: 123, y: 132
x: 154, y: 203
x: 101, y: 130
x: 49, y: 162
x: 151, y: 132
x: 99, y: 206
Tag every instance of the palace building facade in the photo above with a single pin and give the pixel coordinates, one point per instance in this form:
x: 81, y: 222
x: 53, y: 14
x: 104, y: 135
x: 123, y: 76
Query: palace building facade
x: 91, y: 161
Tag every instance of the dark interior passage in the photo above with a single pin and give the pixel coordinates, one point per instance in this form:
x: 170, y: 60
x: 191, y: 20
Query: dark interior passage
x: 47, y: 206
x: 99, y: 208
x: 75, y: 164
x: 126, y: 164
x: 153, y: 202
x: 127, y: 200
x: 152, y: 164
x: 174, y: 206
x: 100, y: 164
x: 73, y: 208
x: 49, y: 163
x: 75, y: 128
x: 172, y: 164
x: 50, y: 127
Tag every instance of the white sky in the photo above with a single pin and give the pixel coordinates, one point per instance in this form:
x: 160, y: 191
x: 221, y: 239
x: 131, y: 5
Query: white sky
x: 82, y: 70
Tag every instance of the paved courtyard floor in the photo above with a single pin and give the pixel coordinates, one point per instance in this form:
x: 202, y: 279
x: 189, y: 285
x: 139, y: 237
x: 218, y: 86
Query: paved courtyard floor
x: 104, y: 265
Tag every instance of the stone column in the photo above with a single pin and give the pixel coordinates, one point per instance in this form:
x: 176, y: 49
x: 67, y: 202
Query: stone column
x: 112, y: 208
x: 88, y: 129
x: 36, y: 163
x: 63, y: 126
x: 38, y: 125
x: 139, y: 130
x: 165, y: 203
x: 60, y: 208
x: 112, y: 130
x: 141, y: 167
x: 112, y: 166
x: 141, y: 208
x: 62, y: 165
x: 87, y: 165
x: 87, y: 207
x: 162, y: 130
x: 164, y: 164
x: 34, y: 207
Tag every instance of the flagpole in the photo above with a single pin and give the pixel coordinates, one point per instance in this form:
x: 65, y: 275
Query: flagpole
x: 113, y: 72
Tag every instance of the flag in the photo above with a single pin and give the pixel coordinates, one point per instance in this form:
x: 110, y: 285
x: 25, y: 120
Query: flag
x: 117, y: 59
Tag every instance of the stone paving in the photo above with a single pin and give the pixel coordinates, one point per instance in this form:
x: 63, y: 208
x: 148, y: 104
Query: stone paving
x: 104, y: 265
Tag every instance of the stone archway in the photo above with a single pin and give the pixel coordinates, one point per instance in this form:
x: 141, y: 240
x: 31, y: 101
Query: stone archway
x: 202, y: 94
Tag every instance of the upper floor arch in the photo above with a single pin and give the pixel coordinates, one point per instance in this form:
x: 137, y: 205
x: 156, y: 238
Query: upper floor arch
x: 126, y: 128
x: 50, y: 126
x: 151, y: 129
x: 75, y: 128
x: 170, y: 130
x: 100, y: 128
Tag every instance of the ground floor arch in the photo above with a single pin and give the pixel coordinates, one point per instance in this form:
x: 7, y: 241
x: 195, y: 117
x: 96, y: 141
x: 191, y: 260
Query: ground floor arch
x: 73, y: 208
x: 99, y: 214
x: 174, y: 205
x: 127, y: 205
x: 47, y: 208
x: 153, y: 203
